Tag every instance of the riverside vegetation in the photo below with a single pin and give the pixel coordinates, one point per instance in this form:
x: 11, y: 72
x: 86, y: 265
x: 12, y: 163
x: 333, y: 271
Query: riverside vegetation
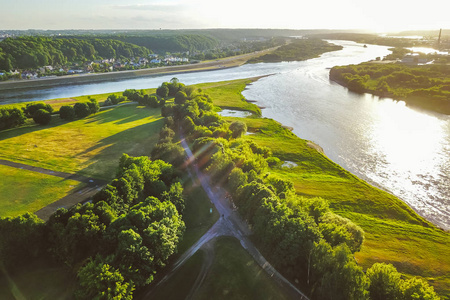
x: 426, y: 86
x: 309, y: 219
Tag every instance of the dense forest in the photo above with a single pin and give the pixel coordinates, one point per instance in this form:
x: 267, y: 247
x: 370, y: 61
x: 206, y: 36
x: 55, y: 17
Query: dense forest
x: 301, y: 49
x: 427, y: 86
x: 169, y: 43
x: 34, y: 52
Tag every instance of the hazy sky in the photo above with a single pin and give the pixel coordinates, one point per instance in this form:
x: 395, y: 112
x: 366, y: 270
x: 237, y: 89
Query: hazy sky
x: 380, y: 15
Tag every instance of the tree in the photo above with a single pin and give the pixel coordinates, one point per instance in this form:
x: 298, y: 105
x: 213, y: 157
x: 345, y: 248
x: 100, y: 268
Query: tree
x: 385, y: 282
x: 418, y: 289
x: 162, y: 91
x: 21, y: 239
x: 175, y: 195
x: 93, y: 105
x: 180, y: 97
x: 238, y: 128
x: 42, y: 117
x: 99, y: 280
x: 66, y: 112
x: 81, y: 109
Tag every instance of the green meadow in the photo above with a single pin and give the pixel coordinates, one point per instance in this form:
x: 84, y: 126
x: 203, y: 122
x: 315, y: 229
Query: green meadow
x: 91, y: 146
x: 394, y: 233
x: 23, y: 190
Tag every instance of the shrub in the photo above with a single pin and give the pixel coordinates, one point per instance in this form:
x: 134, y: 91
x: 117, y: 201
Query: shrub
x: 11, y: 117
x: 42, y: 117
x: 162, y: 91
x: 31, y: 108
x: 81, y: 109
x: 180, y: 97
x: 66, y: 112
x: 94, y: 107
x: 238, y: 128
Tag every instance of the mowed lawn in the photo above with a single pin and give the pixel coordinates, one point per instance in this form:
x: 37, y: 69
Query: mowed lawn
x: 90, y: 146
x: 27, y: 191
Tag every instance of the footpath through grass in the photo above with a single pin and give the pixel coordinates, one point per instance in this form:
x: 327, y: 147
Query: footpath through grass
x: 394, y: 233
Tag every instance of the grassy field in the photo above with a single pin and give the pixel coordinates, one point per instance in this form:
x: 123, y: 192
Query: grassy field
x: 394, y: 233
x: 235, y: 275
x: 90, y: 146
x: 227, y: 94
x: 196, y: 216
x: 23, y: 190
x: 40, y: 280
x: 180, y: 284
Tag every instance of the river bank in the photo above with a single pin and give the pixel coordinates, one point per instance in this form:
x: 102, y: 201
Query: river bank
x: 219, y: 64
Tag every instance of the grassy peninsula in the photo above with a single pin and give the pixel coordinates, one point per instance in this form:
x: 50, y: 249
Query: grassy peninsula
x: 426, y: 86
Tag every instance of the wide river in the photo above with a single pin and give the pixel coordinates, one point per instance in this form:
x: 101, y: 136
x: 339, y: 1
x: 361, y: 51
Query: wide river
x: 402, y: 150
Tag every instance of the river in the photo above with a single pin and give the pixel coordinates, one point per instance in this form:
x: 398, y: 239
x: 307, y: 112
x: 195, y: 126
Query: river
x: 402, y: 150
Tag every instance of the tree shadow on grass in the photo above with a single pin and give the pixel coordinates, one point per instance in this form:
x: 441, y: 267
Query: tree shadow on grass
x: 136, y: 141
x: 30, y: 127
x: 122, y: 115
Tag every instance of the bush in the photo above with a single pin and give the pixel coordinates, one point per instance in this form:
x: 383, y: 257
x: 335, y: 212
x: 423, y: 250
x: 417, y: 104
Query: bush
x: 31, y: 108
x: 238, y: 129
x: 42, y: 117
x: 81, y: 109
x: 180, y: 97
x: 11, y: 117
x: 66, y: 112
x: 162, y: 91
x: 94, y: 107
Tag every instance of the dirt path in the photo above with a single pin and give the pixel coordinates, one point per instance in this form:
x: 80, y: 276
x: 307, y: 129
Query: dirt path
x: 90, y: 188
x: 229, y: 224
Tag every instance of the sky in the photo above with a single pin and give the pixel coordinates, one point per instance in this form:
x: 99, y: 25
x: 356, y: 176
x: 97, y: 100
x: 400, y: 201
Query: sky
x: 380, y: 15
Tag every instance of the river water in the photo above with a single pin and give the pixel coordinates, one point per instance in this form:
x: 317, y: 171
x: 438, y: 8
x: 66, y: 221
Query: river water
x: 405, y: 151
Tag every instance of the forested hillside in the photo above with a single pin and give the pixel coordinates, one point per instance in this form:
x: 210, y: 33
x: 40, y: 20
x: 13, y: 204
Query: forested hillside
x: 170, y: 43
x: 34, y: 52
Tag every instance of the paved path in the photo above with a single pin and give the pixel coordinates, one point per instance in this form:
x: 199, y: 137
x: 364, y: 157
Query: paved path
x: 90, y: 188
x: 229, y: 224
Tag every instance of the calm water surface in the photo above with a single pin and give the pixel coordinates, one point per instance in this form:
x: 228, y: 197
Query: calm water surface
x: 402, y: 150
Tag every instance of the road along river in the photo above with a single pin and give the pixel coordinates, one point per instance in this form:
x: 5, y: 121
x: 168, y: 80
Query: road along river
x: 400, y: 149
